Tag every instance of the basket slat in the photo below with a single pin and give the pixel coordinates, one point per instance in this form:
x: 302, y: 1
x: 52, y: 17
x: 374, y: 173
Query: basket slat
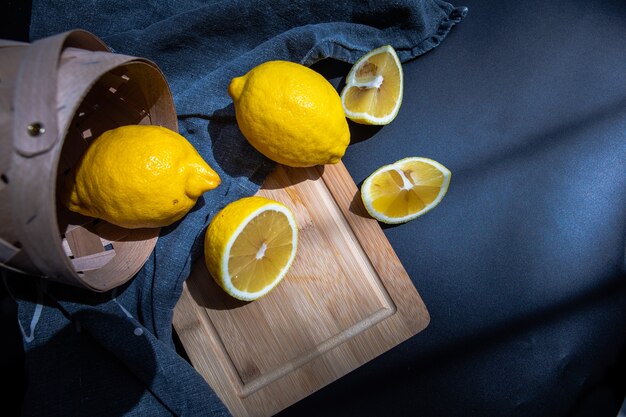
x: 82, y: 242
x: 7, y: 251
x: 93, y: 262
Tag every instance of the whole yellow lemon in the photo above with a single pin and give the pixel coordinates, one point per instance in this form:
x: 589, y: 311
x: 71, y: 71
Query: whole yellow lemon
x: 291, y: 114
x: 138, y: 176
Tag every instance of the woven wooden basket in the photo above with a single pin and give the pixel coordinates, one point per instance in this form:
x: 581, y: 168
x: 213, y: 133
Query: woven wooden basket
x: 57, y: 94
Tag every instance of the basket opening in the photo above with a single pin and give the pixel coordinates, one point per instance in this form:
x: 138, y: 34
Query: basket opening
x: 104, y: 255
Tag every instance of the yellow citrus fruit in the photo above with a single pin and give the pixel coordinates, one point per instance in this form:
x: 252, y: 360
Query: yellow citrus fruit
x: 291, y: 114
x: 250, y: 245
x: 404, y: 190
x: 373, y: 91
x: 138, y: 176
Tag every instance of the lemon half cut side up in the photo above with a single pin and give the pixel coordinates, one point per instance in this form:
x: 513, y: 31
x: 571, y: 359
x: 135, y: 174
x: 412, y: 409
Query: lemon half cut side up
x: 250, y: 246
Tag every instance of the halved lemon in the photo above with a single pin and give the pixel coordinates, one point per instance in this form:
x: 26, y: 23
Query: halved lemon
x: 374, y: 85
x: 250, y: 245
x: 404, y: 190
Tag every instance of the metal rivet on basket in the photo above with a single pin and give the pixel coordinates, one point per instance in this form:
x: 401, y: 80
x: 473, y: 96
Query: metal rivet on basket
x: 36, y: 129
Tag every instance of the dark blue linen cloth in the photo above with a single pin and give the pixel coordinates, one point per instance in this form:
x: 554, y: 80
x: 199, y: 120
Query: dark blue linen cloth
x: 113, y: 354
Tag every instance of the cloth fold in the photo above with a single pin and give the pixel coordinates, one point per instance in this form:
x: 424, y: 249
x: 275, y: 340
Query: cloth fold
x: 113, y: 354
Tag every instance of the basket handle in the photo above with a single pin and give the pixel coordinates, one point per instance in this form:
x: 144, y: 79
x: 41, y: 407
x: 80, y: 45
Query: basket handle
x: 35, y: 127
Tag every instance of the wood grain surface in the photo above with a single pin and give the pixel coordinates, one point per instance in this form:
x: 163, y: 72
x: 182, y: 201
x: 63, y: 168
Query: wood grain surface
x: 345, y: 300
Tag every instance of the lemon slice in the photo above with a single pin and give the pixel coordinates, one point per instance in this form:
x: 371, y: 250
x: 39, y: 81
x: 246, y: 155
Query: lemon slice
x: 404, y: 190
x: 250, y: 245
x: 373, y: 91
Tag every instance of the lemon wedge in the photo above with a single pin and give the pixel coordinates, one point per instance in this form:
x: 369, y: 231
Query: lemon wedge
x: 250, y: 245
x: 373, y: 91
x: 404, y: 190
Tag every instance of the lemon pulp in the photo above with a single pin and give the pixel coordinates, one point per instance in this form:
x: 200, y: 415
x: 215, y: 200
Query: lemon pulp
x: 260, y: 252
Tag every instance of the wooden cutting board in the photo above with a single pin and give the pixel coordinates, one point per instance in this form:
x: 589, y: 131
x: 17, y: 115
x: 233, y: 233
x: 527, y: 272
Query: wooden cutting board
x: 345, y: 300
